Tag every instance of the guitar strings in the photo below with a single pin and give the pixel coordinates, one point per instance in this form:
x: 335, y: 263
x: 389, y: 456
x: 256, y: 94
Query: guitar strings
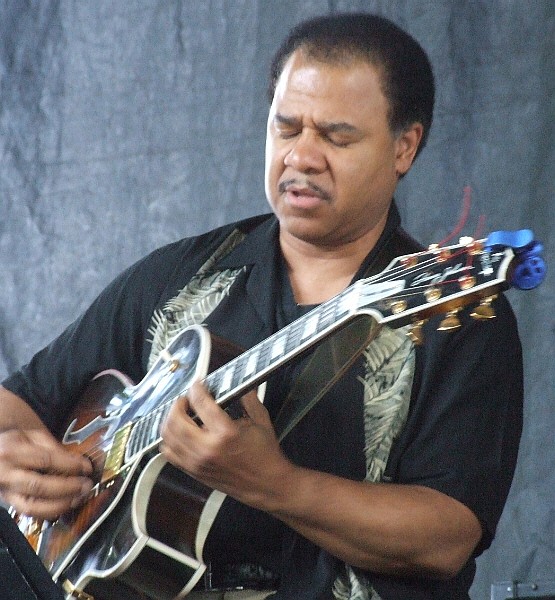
x: 99, y: 450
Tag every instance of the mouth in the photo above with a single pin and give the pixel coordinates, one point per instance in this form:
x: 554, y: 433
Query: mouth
x: 304, y: 195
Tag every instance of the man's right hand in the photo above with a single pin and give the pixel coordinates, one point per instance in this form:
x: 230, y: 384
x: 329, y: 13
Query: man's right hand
x: 38, y: 476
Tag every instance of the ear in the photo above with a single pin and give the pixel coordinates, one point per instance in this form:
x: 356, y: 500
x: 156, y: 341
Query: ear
x: 406, y: 146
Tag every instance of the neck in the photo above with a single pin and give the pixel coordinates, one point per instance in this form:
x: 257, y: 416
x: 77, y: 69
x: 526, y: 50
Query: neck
x: 317, y: 273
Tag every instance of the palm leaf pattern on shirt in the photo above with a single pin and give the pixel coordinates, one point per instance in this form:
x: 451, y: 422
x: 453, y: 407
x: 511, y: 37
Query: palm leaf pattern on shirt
x: 191, y: 306
x: 196, y: 300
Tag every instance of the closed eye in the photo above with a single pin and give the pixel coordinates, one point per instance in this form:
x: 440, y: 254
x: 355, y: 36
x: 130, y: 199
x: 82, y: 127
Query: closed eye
x: 339, y: 143
x: 287, y: 134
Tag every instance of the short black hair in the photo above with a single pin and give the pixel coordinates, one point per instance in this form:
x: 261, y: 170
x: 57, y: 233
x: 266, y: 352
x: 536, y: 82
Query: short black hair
x: 407, y: 76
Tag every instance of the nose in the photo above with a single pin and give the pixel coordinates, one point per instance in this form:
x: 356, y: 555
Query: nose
x: 306, y: 154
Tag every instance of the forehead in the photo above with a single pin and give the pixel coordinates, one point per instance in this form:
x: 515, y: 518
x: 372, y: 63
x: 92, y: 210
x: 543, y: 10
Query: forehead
x: 352, y: 87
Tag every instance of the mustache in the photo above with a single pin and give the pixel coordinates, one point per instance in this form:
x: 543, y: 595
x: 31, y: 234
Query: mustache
x: 283, y: 185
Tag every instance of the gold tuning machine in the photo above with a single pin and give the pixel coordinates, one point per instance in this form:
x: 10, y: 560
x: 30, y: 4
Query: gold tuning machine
x: 484, y: 310
x: 450, y: 322
x: 415, y: 333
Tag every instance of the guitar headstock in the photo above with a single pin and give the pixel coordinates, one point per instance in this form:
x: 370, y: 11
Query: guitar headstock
x: 445, y: 279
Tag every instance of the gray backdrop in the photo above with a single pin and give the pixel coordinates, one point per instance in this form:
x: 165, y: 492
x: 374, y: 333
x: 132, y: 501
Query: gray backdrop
x: 125, y: 125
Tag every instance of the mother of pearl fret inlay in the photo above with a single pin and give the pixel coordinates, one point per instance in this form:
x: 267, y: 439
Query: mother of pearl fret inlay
x: 311, y: 325
x: 348, y: 301
x: 278, y: 347
x: 252, y: 361
x: 226, y: 380
x: 156, y: 424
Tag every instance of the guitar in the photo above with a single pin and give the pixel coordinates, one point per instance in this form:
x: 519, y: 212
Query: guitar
x: 126, y: 529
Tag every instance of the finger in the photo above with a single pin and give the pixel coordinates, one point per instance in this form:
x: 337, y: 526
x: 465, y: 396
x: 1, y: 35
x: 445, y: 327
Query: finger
x: 44, y: 496
x: 173, y: 457
x: 72, y: 462
x: 255, y: 410
x: 38, y: 451
x: 41, y: 508
x: 180, y: 433
x: 47, y: 486
x: 205, y: 407
x: 180, y: 420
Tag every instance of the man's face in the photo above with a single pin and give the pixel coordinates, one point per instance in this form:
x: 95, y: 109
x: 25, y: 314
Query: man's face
x: 332, y: 163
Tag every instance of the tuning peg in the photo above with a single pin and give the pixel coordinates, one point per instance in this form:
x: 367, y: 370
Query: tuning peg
x: 444, y: 255
x: 408, y: 261
x: 432, y: 294
x: 398, y: 306
x: 450, y: 322
x: 484, y: 310
x: 415, y: 333
x: 467, y: 282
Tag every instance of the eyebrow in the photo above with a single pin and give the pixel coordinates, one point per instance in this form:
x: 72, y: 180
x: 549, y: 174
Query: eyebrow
x: 328, y: 127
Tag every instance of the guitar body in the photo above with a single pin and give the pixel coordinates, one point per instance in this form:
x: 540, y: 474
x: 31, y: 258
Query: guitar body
x: 145, y: 517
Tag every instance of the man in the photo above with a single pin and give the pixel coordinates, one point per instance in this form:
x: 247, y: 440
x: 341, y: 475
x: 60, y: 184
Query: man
x: 328, y: 512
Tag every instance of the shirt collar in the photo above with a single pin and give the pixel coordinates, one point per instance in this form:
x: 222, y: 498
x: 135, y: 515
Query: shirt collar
x: 262, y: 244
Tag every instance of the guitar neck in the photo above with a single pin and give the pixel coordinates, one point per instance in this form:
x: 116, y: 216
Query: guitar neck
x: 252, y: 367
x: 412, y: 288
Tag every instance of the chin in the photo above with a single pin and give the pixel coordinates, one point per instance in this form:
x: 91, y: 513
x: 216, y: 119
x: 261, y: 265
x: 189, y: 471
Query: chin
x: 310, y: 234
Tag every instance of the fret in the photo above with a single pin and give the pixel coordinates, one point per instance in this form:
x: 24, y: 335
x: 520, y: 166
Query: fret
x: 156, y: 426
x: 327, y: 317
x: 310, y: 325
x: 212, y: 382
x: 134, y: 444
x: 143, y: 431
x: 265, y: 355
x: 347, y: 302
x: 237, y: 366
x: 293, y: 335
x: 164, y: 410
x: 131, y: 443
x: 146, y: 431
